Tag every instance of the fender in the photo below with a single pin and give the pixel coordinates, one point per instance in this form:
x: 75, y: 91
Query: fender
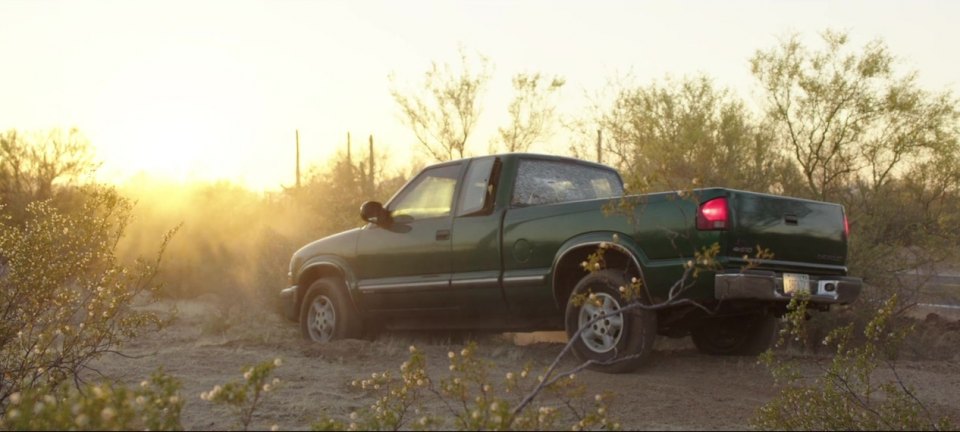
x: 624, y: 243
x: 330, y: 262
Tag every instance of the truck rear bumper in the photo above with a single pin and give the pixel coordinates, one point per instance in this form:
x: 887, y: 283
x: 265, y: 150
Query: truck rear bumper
x: 288, y: 303
x: 767, y: 285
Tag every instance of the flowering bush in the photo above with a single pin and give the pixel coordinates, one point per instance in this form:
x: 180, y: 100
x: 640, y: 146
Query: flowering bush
x: 847, y: 396
x: 244, y: 397
x: 472, y: 399
x: 65, y: 298
x: 154, y: 405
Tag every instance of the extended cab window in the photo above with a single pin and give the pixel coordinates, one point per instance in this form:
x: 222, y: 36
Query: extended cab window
x: 542, y: 182
x: 430, y: 195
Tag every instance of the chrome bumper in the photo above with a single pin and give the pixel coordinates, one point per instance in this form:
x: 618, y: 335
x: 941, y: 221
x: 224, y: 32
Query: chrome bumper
x: 761, y: 285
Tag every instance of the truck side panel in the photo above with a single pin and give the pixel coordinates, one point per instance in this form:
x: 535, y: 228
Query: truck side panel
x: 662, y: 226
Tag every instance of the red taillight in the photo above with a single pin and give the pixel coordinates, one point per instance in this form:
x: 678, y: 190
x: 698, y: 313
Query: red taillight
x: 713, y: 215
x: 846, y: 227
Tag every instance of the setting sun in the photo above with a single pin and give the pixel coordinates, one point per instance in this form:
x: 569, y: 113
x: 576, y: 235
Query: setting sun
x: 193, y: 114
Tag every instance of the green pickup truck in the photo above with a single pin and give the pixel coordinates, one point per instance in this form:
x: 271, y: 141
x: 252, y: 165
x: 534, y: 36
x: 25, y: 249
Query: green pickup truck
x: 501, y: 242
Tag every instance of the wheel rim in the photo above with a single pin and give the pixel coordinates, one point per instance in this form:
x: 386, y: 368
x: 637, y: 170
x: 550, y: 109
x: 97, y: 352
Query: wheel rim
x: 604, y: 334
x: 321, y: 319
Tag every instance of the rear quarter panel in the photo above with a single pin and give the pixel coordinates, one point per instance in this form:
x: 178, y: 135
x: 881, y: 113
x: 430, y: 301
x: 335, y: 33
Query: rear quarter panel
x: 659, y: 231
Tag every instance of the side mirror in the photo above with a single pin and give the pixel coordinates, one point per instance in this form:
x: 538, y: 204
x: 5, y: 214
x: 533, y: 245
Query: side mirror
x: 373, y: 212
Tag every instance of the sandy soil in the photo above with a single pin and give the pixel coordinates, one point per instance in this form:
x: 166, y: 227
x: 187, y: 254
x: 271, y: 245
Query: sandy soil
x: 681, y: 389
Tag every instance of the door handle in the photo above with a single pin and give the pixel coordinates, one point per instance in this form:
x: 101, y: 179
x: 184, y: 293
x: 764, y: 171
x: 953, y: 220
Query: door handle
x: 443, y: 234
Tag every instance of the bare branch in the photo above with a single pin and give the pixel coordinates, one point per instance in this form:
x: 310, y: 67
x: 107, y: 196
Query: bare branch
x: 443, y: 114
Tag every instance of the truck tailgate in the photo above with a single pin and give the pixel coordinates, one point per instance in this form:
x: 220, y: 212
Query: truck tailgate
x: 798, y: 232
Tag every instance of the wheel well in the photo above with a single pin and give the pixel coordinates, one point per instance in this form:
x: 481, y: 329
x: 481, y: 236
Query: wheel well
x: 310, y: 275
x: 569, y: 270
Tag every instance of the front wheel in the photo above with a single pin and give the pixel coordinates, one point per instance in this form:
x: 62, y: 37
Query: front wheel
x: 738, y: 335
x: 618, y: 342
x: 327, y: 314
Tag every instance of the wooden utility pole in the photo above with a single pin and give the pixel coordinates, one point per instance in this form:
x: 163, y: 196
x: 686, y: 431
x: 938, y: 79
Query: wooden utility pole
x: 599, y: 148
x: 297, y: 131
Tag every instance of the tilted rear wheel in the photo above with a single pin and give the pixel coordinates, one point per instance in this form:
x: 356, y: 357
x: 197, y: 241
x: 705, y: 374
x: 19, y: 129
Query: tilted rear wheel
x: 738, y: 335
x: 617, y: 342
x: 327, y: 314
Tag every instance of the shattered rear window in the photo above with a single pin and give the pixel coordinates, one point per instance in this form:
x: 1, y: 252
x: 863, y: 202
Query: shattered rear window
x: 541, y: 182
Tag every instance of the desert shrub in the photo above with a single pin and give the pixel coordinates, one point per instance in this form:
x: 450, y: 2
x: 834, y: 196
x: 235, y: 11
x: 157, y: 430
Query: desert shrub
x: 472, y: 399
x: 43, y: 166
x: 244, y: 397
x: 847, y: 394
x: 65, y: 298
x: 153, y: 405
x: 677, y: 133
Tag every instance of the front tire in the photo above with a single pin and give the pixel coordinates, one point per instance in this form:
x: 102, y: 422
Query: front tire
x: 737, y: 335
x: 617, y: 344
x: 327, y: 313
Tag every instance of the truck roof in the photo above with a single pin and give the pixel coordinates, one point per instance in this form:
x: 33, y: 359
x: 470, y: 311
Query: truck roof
x: 518, y: 155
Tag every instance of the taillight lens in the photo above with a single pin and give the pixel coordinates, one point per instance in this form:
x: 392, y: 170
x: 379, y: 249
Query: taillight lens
x: 713, y: 215
x: 846, y: 227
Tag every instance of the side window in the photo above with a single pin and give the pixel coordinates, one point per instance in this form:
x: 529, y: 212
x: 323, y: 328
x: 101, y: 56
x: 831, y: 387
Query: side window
x: 477, y: 187
x: 541, y: 182
x: 430, y: 195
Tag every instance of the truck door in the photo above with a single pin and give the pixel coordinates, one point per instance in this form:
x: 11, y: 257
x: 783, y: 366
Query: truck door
x: 406, y: 264
x: 475, y: 283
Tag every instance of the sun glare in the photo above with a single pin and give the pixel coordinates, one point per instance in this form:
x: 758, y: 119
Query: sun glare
x: 181, y: 114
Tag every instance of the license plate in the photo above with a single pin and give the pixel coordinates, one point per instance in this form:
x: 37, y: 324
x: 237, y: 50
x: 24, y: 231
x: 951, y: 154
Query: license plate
x: 796, y: 283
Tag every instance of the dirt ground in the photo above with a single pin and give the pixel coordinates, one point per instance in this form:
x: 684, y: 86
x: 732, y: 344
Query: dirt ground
x: 680, y: 389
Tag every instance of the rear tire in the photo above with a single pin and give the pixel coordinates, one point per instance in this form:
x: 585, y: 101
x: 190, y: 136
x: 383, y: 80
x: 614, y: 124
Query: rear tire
x: 617, y: 344
x: 739, y: 335
x: 327, y: 313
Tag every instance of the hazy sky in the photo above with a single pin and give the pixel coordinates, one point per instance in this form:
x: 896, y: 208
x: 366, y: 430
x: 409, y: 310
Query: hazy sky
x: 207, y: 90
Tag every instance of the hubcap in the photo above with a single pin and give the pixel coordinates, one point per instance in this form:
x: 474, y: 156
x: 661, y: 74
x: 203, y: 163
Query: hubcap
x: 322, y: 319
x: 602, y: 335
